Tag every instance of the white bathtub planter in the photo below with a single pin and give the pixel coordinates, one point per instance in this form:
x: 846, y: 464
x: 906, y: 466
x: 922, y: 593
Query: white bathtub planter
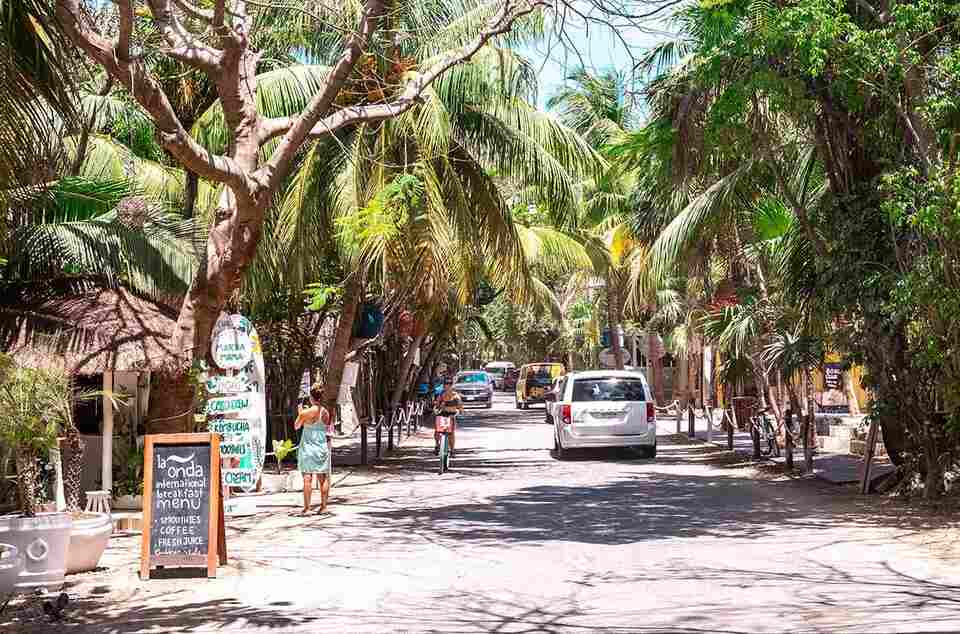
x: 43, y: 542
x: 34, y: 410
x: 88, y: 539
x: 11, y: 565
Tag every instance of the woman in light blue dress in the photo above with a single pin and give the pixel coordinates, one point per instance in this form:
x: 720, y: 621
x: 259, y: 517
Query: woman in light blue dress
x: 313, y: 456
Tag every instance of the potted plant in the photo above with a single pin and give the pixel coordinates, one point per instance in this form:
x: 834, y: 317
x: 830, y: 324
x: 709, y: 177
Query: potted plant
x: 279, y: 481
x: 32, y: 403
x: 90, y: 532
x: 128, y: 479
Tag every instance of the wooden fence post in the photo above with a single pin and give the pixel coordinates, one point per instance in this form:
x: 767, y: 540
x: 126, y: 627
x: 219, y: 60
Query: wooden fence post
x: 730, y: 425
x: 363, y: 442
x: 868, y: 456
x: 393, y: 422
x: 788, y: 437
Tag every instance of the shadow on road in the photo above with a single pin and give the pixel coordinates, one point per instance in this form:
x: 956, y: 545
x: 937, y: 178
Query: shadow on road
x: 89, y: 614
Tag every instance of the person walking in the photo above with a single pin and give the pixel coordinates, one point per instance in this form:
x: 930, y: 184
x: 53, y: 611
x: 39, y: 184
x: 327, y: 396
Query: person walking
x: 313, y: 456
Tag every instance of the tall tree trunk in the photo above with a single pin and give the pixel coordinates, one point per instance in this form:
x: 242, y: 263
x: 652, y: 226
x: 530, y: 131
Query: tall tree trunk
x: 613, y: 321
x: 426, y: 363
x: 402, y: 371
x: 655, y: 363
x: 341, y: 344
x: 681, y: 380
x: 761, y: 395
x: 72, y: 473
x: 171, y: 404
x: 27, y: 481
x: 810, y: 427
x: 691, y: 371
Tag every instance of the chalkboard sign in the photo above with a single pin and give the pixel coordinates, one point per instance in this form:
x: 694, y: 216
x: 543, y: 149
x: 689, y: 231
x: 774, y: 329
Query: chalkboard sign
x: 182, y: 511
x: 833, y: 376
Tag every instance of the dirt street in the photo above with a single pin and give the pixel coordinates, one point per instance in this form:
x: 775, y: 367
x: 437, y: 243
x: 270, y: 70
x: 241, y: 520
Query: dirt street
x: 514, y: 540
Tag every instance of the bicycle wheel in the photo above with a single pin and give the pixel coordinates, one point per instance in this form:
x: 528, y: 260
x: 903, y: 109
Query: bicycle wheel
x: 444, y: 453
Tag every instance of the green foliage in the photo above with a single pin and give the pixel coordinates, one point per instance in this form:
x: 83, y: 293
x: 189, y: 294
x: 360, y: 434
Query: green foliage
x: 281, y: 450
x: 128, y: 470
x: 384, y: 217
x: 321, y: 297
x: 812, y: 169
x: 34, y: 406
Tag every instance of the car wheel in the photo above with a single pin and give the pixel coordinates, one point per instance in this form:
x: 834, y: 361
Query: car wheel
x: 648, y: 452
x: 558, y: 451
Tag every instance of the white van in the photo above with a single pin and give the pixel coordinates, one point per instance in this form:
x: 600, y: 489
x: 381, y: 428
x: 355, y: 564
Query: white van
x: 497, y: 371
x: 603, y: 409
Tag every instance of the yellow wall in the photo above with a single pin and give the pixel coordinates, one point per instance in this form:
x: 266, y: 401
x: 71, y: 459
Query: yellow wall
x: 862, y: 397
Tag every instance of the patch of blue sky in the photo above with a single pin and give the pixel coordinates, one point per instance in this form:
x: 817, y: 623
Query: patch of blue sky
x: 595, y: 46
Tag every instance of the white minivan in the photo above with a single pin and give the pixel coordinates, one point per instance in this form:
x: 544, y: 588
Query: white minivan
x: 603, y: 408
x: 497, y: 371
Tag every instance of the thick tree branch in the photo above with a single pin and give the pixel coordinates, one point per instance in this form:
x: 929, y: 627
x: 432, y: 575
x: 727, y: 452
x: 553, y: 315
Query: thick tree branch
x: 126, y: 28
x: 295, y: 128
x: 194, y: 11
x: 413, y: 91
x: 183, y: 46
x: 134, y: 76
x: 298, y: 128
x: 219, y: 10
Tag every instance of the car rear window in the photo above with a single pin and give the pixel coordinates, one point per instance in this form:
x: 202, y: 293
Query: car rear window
x: 608, y: 389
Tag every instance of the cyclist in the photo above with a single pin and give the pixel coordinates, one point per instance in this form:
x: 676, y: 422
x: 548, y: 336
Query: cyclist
x: 448, y: 404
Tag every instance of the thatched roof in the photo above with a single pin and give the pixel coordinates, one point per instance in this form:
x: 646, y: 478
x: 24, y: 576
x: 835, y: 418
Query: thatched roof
x: 87, y: 330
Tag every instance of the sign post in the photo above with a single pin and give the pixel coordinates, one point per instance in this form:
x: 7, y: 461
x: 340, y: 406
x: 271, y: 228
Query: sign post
x: 237, y: 407
x: 182, y: 510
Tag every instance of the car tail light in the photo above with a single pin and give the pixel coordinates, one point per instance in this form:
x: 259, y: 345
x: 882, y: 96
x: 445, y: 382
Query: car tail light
x: 651, y: 414
x: 566, y: 415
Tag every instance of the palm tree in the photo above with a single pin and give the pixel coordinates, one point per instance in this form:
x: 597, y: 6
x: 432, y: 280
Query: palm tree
x: 37, y: 80
x: 598, y: 108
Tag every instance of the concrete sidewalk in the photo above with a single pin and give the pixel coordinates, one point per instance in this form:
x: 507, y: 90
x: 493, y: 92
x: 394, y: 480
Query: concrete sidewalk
x: 346, y: 447
x: 836, y: 468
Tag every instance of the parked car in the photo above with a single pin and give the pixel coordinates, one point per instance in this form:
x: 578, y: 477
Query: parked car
x: 498, y: 370
x: 550, y: 398
x: 534, y: 381
x: 510, y: 380
x: 475, y: 386
x: 603, y: 408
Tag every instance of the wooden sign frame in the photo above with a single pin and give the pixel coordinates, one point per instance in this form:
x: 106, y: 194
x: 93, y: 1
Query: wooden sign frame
x: 217, y: 542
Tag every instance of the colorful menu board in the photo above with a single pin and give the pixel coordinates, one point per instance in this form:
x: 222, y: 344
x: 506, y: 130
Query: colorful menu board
x: 236, y: 409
